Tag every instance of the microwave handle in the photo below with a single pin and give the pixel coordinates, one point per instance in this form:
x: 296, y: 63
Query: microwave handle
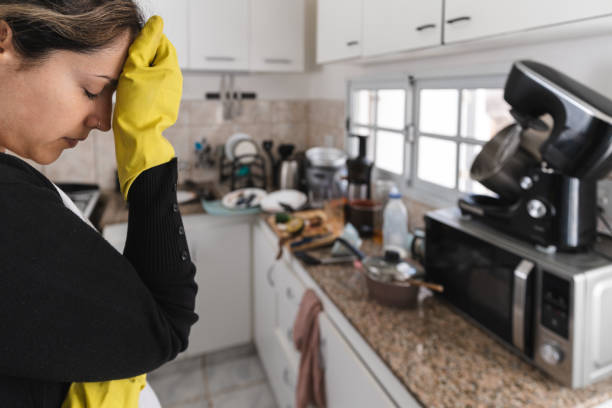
x: 521, y: 275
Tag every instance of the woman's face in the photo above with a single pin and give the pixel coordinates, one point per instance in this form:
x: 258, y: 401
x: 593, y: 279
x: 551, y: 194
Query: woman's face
x: 52, y: 106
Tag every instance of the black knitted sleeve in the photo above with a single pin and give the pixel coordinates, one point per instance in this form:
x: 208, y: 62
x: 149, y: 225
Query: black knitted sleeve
x: 72, y: 308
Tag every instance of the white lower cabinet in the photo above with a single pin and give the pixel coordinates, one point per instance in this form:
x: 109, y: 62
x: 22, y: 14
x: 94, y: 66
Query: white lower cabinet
x: 278, y: 292
x: 347, y: 381
x: 223, y: 303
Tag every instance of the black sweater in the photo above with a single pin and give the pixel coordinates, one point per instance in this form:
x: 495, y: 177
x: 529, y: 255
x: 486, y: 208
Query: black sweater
x: 74, y: 309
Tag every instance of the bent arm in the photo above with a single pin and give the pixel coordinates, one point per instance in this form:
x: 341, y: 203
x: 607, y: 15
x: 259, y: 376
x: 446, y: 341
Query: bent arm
x: 73, y: 308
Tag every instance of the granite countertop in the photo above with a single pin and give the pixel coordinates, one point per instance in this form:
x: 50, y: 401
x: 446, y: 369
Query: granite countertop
x: 443, y: 359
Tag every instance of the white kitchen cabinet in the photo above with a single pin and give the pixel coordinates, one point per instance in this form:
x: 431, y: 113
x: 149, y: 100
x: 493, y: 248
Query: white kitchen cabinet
x: 347, y: 381
x: 400, y: 25
x: 223, y: 275
x: 277, y: 43
x: 339, y: 30
x: 472, y: 19
x: 175, y: 14
x: 219, y: 32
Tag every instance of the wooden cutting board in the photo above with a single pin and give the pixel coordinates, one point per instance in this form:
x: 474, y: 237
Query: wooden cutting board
x: 328, y: 230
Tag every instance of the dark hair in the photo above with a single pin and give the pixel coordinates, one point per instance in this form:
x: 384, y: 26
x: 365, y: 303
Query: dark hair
x: 43, y: 26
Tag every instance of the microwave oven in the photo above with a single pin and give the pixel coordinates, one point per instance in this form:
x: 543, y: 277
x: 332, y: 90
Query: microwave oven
x: 554, y: 310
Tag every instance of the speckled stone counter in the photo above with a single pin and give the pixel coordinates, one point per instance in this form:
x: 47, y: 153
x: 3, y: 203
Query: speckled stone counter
x: 443, y: 359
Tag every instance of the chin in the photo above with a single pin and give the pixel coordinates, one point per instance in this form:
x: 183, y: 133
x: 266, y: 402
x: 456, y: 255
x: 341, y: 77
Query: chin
x: 46, y: 157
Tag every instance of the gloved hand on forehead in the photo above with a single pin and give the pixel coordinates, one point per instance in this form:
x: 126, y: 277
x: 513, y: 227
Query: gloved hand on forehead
x: 148, y: 98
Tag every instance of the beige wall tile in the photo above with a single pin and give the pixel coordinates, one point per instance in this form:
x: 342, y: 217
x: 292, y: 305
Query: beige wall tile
x: 323, y: 135
x: 180, y: 138
x: 289, y: 111
x: 326, y: 112
x: 255, y: 112
x: 295, y: 133
x: 258, y: 131
x: 204, y: 113
x: 184, y: 117
x: 76, y: 165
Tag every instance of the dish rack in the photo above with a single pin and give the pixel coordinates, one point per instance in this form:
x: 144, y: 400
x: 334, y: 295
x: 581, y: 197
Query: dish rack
x: 244, y: 171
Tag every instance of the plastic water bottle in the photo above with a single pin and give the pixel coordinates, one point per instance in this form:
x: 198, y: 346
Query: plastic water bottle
x: 395, y: 221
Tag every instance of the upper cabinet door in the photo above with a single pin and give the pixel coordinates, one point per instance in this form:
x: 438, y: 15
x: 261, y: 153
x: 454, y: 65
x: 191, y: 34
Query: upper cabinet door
x: 400, y: 25
x: 277, y: 44
x: 175, y: 14
x: 219, y: 34
x: 469, y: 19
x: 339, y: 25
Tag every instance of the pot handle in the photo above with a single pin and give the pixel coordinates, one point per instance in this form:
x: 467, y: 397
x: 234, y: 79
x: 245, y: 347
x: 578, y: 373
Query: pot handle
x: 351, y: 248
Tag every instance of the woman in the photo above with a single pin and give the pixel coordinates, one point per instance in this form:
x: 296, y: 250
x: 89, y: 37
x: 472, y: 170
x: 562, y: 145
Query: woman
x: 72, y: 309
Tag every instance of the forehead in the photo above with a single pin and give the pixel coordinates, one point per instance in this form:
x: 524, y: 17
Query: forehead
x: 107, y: 61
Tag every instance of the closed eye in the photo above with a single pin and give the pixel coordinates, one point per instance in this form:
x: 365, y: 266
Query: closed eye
x: 90, y: 95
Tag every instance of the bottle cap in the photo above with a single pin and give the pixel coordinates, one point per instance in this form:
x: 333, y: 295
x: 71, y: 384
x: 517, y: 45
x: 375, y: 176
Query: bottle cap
x: 394, y: 193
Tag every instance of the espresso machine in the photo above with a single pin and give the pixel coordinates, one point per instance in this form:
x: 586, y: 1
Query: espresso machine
x: 546, y: 195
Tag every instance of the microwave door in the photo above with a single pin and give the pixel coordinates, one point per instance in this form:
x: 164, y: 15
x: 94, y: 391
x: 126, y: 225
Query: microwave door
x: 522, y: 305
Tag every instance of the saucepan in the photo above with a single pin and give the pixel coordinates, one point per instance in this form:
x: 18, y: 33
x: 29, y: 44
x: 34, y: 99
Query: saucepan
x: 389, y: 281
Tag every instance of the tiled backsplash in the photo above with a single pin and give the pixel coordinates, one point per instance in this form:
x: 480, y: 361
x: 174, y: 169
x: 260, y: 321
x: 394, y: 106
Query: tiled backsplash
x: 301, y: 122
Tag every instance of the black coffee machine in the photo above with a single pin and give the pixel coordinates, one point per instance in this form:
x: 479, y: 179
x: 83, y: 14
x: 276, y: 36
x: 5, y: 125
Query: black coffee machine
x: 546, y: 195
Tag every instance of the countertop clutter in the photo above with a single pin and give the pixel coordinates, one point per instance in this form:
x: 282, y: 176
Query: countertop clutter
x: 442, y: 358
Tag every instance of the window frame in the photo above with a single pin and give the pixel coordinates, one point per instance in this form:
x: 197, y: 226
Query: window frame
x: 433, y: 192
x: 388, y: 82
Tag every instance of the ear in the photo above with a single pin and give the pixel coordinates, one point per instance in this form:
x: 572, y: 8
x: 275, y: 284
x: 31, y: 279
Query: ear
x: 6, y: 38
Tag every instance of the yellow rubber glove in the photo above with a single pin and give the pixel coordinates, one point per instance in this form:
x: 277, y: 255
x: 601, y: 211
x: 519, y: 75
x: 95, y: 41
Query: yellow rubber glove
x: 148, y: 97
x: 107, y: 394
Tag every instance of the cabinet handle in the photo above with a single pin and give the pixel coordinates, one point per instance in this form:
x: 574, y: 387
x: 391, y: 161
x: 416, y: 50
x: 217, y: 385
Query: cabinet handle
x: 290, y: 335
x: 269, y: 276
x: 289, y: 293
x: 220, y: 59
x: 284, y: 61
x: 352, y: 43
x: 425, y: 27
x: 286, y: 377
x: 457, y: 19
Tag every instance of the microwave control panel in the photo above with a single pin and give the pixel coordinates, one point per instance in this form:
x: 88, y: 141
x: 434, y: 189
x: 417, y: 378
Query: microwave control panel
x: 555, y: 304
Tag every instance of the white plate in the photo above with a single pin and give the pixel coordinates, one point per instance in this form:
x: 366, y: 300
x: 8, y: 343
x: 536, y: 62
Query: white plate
x: 296, y: 199
x: 233, y: 139
x: 230, y: 200
x: 244, y: 147
x: 185, y: 196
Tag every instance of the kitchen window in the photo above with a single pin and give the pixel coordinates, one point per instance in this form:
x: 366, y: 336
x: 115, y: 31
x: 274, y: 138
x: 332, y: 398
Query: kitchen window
x: 378, y: 109
x: 427, y: 132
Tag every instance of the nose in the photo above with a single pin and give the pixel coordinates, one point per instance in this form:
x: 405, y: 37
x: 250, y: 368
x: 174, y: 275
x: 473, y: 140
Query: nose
x: 100, y: 117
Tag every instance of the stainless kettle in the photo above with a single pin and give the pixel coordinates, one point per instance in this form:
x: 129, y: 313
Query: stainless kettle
x: 288, y: 174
